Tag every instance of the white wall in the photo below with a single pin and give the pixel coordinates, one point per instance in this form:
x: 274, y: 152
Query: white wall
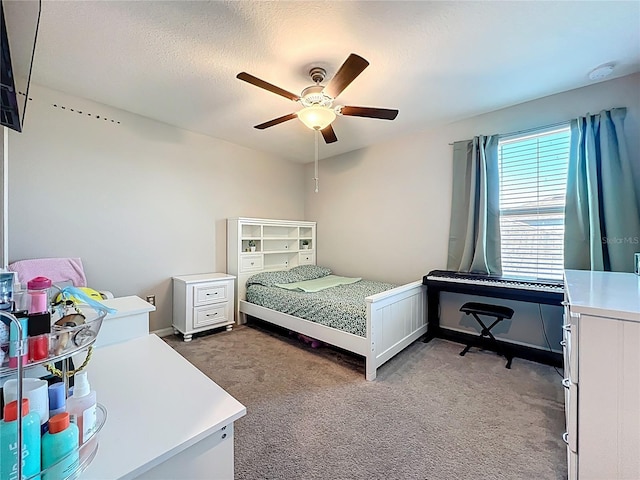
x: 138, y: 201
x: 383, y: 212
x: 142, y: 201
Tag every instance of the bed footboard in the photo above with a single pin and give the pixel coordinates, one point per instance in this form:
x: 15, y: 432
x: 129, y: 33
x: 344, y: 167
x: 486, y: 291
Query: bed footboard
x: 395, y: 319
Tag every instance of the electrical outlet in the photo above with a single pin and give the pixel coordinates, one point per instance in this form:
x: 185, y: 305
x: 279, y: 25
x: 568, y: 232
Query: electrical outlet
x: 151, y: 299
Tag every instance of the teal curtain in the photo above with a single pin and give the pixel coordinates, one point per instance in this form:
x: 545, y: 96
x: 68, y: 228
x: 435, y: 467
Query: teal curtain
x: 474, y: 231
x: 602, y: 212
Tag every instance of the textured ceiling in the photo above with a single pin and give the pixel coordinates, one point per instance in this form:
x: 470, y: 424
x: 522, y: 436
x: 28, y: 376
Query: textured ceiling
x: 435, y: 61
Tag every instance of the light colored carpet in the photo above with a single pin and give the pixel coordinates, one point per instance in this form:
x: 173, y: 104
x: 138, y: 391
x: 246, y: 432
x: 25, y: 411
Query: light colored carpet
x: 430, y: 414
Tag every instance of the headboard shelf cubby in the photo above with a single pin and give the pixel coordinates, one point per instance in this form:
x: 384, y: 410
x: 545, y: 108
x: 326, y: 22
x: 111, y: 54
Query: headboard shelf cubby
x: 259, y: 245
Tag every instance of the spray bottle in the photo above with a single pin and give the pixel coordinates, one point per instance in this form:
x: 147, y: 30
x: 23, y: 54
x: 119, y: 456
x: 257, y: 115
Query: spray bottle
x: 82, y: 407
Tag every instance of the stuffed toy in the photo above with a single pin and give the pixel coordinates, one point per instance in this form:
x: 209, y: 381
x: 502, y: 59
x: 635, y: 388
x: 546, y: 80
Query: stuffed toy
x: 310, y: 341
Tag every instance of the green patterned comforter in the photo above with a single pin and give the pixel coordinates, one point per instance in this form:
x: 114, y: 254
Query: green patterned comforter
x: 342, y: 307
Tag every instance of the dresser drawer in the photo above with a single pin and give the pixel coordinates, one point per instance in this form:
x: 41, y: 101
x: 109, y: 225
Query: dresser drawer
x: 572, y: 465
x: 210, y: 315
x: 571, y: 414
x: 249, y: 263
x: 571, y: 338
x: 306, y: 258
x: 566, y: 347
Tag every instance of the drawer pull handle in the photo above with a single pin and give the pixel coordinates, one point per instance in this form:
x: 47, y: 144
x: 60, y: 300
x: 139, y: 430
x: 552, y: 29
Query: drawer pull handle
x: 565, y: 437
x: 212, y: 293
x: 251, y: 263
x: 566, y: 328
x: 564, y: 303
x: 563, y: 343
x: 566, y: 382
x: 212, y: 315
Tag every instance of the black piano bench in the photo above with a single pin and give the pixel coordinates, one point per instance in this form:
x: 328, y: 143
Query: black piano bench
x: 499, y: 313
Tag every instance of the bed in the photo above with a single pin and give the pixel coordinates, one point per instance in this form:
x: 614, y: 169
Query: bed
x: 374, y: 319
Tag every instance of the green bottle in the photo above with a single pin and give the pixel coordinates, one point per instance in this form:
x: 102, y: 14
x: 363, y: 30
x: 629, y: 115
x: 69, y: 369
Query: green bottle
x: 9, y: 442
x: 60, y: 454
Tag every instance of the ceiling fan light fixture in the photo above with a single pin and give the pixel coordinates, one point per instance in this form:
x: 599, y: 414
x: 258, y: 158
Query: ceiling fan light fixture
x: 317, y: 117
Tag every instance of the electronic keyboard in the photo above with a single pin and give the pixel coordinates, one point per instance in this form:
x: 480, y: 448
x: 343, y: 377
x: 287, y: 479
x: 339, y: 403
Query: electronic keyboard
x: 494, y: 281
x: 535, y: 291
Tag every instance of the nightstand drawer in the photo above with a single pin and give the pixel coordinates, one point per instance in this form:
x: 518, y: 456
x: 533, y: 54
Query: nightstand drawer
x: 209, y: 293
x: 210, y: 315
x: 249, y: 263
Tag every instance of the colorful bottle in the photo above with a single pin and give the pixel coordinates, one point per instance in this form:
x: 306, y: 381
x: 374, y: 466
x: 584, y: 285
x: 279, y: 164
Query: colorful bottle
x: 82, y: 407
x: 38, y: 292
x: 38, y: 330
x: 18, y: 341
x: 33, y: 389
x: 9, y: 442
x: 60, y: 456
x: 6, y: 291
x: 57, y: 399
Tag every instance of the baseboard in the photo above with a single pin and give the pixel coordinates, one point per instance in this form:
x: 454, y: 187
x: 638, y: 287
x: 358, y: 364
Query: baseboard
x: 164, y: 332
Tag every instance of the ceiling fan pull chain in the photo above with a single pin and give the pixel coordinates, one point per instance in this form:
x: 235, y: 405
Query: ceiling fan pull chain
x: 317, y: 133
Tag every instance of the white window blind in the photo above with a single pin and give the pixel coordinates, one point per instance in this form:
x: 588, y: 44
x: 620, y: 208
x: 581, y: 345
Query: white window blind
x: 533, y: 179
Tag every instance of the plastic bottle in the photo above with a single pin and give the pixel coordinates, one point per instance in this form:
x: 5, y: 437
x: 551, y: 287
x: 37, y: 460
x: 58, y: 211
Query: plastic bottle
x: 33, y: 389
x: 38, y: 292
x: 16, y: 341
x: 38, y: 330
x: 60, y: 455
x: 9, y: 442
x: 82, y: 407
x: 57, y: 399
x: 6, y: 291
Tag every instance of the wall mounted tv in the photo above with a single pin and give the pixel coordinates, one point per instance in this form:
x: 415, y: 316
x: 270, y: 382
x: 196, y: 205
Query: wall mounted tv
x: 20, y: 20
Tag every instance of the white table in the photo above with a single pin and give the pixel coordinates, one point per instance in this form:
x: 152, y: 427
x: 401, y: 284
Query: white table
x: 131, y: 320
x: 165, y: 418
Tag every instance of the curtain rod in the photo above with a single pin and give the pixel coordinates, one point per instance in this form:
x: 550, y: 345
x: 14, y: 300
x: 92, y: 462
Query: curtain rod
x: 527, y: 130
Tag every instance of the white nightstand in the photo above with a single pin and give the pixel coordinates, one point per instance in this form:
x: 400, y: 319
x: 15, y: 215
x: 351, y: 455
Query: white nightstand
x: 202, y: 302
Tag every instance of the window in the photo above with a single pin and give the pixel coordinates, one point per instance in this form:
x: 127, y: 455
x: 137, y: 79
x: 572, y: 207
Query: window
x: 533, y: 179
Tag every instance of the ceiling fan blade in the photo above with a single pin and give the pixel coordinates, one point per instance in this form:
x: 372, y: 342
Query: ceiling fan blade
x: 350, y: 69
x: 329, y: 135
x: 381, y: 113
x: 247, y: 77
x: 276, y: 121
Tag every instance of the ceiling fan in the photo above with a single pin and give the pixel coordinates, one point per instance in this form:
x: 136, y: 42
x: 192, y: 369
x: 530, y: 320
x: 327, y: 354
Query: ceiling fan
x: 317, y: 100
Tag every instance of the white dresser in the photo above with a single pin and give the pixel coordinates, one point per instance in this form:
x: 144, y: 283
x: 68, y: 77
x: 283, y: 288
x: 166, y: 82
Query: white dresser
x: 601, y: 343
x: 202, y: 302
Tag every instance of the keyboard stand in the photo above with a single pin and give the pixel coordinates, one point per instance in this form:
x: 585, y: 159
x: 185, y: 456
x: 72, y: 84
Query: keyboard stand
x: 436, y: 285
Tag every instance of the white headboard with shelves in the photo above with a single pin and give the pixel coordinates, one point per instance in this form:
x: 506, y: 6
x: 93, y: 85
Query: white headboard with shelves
x: 260, y: 245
